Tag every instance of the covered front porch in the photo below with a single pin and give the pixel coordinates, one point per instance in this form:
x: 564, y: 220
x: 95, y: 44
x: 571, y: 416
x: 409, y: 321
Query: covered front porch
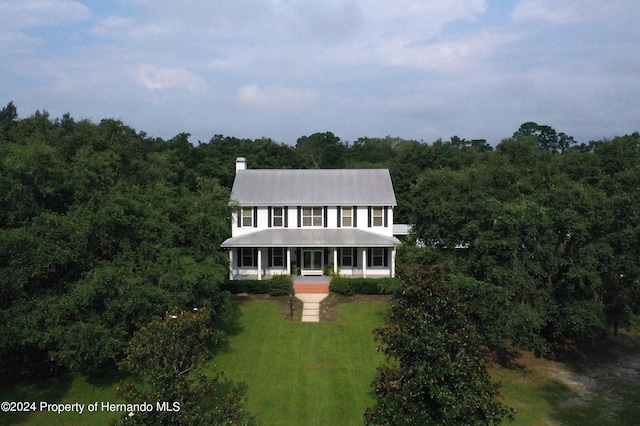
x: 258, y: 263
x: 352, y: 253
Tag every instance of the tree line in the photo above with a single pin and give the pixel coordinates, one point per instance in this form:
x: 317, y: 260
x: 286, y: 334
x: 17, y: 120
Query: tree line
x: 103, y: 228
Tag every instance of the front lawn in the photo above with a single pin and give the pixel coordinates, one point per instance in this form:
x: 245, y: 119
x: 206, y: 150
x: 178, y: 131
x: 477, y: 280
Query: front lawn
x: 320, y: 374
x: 304, y: 373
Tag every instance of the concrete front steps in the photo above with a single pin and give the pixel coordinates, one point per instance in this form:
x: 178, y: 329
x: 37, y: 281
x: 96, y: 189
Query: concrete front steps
x: 311, y: 295
x: 311, y: 306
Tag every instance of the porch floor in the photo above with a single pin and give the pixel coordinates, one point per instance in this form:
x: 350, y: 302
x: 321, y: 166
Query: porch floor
x: 311, y: 279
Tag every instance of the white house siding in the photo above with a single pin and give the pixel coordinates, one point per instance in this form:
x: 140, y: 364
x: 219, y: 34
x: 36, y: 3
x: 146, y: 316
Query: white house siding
x: 362, y: 220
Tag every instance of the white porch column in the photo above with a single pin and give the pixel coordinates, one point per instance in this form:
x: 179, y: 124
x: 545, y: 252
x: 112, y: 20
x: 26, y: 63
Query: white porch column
x: 231, y: 264
x: 288, y: 260
x: 259, y: 263
x: 393, y: 262
x: 364, y: 262
x: 335, y: 260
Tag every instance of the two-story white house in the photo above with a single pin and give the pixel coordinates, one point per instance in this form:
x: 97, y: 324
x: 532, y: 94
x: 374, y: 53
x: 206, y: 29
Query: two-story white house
x: 310, y: 222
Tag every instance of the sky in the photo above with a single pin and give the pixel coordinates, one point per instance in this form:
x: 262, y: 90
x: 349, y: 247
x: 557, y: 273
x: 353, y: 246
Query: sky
x: 281, y: 69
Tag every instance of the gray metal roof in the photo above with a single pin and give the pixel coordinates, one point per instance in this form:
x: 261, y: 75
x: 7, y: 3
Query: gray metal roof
x: 319, y: 187
x: 285, y: 237
x: 401, y: 229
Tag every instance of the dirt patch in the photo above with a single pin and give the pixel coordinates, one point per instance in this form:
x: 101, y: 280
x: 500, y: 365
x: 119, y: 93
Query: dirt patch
x: 606, y: 378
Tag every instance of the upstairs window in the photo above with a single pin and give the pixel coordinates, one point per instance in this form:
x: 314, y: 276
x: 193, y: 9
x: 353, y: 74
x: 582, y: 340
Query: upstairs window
x: 312, y: 216
x: 247, y: 217
x: 377, y: 216
x: 277, y: 220
x: 347, y: 217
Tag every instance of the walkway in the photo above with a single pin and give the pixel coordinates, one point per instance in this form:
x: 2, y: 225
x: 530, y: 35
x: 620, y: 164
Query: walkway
x: 311, y: 291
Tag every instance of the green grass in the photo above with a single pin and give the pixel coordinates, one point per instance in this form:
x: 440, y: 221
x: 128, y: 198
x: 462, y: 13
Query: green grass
x: 320, y: 374
x: 68, y: 389
x: 304, y: 373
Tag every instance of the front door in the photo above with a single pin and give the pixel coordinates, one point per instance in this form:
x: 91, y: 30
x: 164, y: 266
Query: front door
x: 312, y: 262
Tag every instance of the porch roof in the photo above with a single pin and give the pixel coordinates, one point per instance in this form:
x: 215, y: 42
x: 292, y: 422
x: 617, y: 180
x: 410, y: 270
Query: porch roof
x: 311, y: 238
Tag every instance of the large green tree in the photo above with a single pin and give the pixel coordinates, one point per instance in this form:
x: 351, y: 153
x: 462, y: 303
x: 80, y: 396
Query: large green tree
x: 101, y: 228
x: 556, y: 229
x: 166, y: 357
x: 436, y: 369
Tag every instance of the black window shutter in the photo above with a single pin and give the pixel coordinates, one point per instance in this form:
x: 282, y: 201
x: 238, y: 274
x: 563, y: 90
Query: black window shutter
x: 299, y: 216
x: 354, y: 254
x: 270, y: 254
x: 339, y: 218
x: 255, y: 257
x: 325, y: 218
x: 369, y: 216
x: 339, y: 256
x: 355, y: 216
x: 286, y: 217
x: 386, y: 256
x: 269, y: 219
x: 326, y: 256
x: 299, y: 257
x: 386, y: 217
x: 368, y: 257
x: 255, y: 217
x: 239, y: 257
x: 240, y: 218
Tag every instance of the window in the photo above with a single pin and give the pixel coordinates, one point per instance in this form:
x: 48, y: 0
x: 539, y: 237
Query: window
x: 377, y: 216
x: 277, y: 219
x: 378, y: 256
x: 312, y: 216
x: 247, y: 217
x: 247, y: 257
x: 346, y: 257
x: 277, y: 256
x: 347, y: 216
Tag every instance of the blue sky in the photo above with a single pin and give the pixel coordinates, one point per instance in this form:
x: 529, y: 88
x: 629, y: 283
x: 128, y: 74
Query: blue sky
x: 281, y: 69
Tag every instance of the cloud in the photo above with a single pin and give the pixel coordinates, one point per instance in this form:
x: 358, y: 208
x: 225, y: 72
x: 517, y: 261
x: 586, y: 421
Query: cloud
x: 447, y: 55
x: 16, y: 42
x: 274, y: 97
x: 155, y: 78
x: 326, y: 22
x: 32, y: 13
x: 549, y: 11
x: 576, y: 11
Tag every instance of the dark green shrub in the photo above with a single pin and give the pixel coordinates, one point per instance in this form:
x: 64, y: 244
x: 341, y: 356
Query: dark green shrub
x: 340, y: 285
x: 280, y: 285
x: 351, y: 286
x: 246, y: 286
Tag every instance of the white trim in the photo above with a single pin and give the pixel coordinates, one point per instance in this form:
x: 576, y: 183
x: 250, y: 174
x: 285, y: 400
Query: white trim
x: 364, y: 262
x: 392, y: 271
